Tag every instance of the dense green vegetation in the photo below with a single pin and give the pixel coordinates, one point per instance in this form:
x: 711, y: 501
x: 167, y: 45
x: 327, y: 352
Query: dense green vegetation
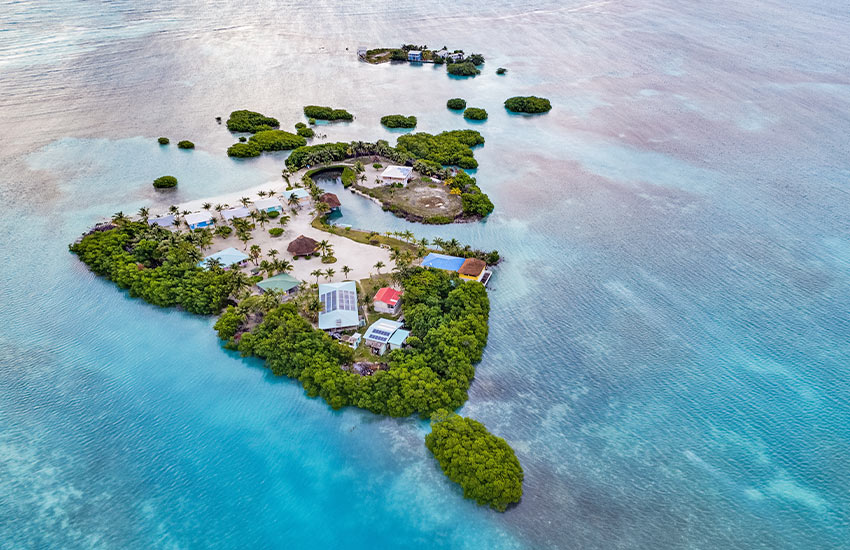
x: 475, y: 59
x: 276, y: 231
x: 185, y: 144
x: 454, y: 248
x: 277, y: 140
x: 398, y: 121
x: 448, y: 320
x: 475, y: 202
x: 158, y: 266
x: 483, y: 464
x: 326, y: 113
x: 457, y: 104
x: 250, y: 121
x: 528, y: 104
x: 474, y: 113
x: 501, y: 70
x: 243, y: 150
x: 306, y: 132
x: 348, y: 177
x: 452, y: 148
x: 462, y: 69
x: 165, y: 182
x: 164, y: 141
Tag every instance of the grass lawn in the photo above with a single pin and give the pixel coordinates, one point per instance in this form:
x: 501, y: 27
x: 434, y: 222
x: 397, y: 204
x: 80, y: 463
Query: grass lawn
x: 364, y: 236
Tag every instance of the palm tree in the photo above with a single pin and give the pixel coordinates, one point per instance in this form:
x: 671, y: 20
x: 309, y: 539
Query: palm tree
x: 284, y: 219
x: 173, y: 209
x: 240, y: 282
x: 261, y: 193
x: 213, y: 264
x: 144, y: 213
x: 293, y: 200
x: 271, y: 192
x: 119, y: 218
x: 283, y: 266
x: 219, y: 207
x: 206, y: 206
x: 245, y: 201
x: 285, y: 173
x: 378, y: 266
x: 322, y: 208
x: 186, y: 212
x: 330, y: 273
x: 263, y: 217
x: 323, y: 246
x: 346, y: 270
x: 255, y: 253
x: 317, y: 273
x: 272, y: 253
x: 244, y: 236
x: 205, y: 238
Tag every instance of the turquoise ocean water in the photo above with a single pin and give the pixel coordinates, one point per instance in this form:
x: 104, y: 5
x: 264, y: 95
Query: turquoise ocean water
x: 670, y: 336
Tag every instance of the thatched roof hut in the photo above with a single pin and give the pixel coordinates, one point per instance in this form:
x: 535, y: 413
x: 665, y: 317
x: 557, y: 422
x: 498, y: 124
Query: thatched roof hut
x: 302, y: 246
x: 472, y: 268
x: 331, y: 200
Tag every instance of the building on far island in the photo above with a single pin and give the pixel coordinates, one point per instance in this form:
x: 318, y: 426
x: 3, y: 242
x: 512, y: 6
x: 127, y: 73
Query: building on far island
x: 302, y: 246
x: 268, y: 205
x: 332, y: 201
x: 441, y: 53
x: 443, y: 261
x: 340, y: 306
x: 299, y: 195
x: 196, y: 220
x: 387, y: 300
x: 414, y: 55
x: 227, y: 258
x: 362, y: 51
x: 283, y: 282
x: 379, y: 334
x: 456, y: 56
x: 236, y: 212
x: 397, y: 174
x: 163, y: 221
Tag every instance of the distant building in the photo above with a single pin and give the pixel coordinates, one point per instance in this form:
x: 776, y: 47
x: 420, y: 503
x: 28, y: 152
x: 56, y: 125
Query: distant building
x: 268, y: 204
x: 362, y: 51
x: 414, y: 55
x: 340, y: 306
x: 163, y: 221
x: 302, y: 246
x: 442, y: 261
x: 196, y: 220
x: 237, y: 212
x: 378, y: 335
x: 441, y: 53
x: 397, y: 174
x: 301, y: 195
x: 227, y: 258
x: 472, y: 269
x: 283, y: 282
x: 456, y: 56
x: 332, y: 201
x: 387, y: 300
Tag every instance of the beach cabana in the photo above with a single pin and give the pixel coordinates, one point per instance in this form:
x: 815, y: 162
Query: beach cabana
x: 378, y: 335
x: 237, y: 212
x: 227, y: 257
x: 472, y: 269
x: 332, y: 201
x: 387, y: 300
x: 163, y: 221
x: 196, y: 220
x: 442, y: 261
x: 282, y: 282
x: 268, y: 204
x: 396, y: 174
x: 340, y: 306
x: 414, y: 55
x: 302, y: 246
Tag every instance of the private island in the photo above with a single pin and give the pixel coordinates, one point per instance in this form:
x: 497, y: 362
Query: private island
x: 456, y: 61
x: 384, y: 322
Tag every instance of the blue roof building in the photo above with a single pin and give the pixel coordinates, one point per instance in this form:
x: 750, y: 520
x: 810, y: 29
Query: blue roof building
x: 300, y: 193
x: 398, y: 338
x: 340, y: 306
x: 414, y: 55
x: 227, y: 257
x: 442, y: 261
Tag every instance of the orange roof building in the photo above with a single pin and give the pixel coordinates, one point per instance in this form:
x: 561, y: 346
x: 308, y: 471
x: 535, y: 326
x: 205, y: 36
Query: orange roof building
x: 472, y: 269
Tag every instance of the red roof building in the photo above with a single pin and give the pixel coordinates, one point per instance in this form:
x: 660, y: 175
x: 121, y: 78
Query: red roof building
x: 387, y: 300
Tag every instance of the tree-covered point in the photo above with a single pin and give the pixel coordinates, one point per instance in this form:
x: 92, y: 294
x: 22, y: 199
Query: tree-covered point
x: 528, y: 104
x: 474, y: 113
x: 457, y: 104
x: 462, y: 69
x: 326, y: 113
x: 475, y: 59
x: 398, y: 121
x: 163, y: 141
x: 185, y: 144
x: 244, y: 150
x: 165, y: 182
x: 250, y: 121
x: 159, y: 266
x: 475, y: 201
x: 306, y: 132
x: 277, y: 140
x: 484, y: 465
x: 448, y: 322
x: 452, y: 148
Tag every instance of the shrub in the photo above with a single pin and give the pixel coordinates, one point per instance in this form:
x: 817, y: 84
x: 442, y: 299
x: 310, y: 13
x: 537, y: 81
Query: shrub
x: 311, y: 121
x: 273, y: 214
x: 439, y: 220
x: 299, y: 125
x: 456, y: 104
x: 377, y: 165
x: 462, y: 69
x: 243, y: 150
x: 528, y: 104
x: 474, y: 113
x: 164, y: 141
x: 185, y: 144
x: 398, y: 55
x: 501, y: 70
x: 165, y: 182
x: 276, y: 231
x: 306, y: 132
x: 250, y: 121
x: 326, y: 113
x: 328, y: 260
x: 348, y: 177
x: 277, y: 140
x: 483, y: 464
x: 242, y: 139
x: 398, y: 121
x: 475, y: 59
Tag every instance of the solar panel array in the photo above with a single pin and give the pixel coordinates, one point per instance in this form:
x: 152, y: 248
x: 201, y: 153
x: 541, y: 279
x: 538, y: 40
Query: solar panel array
x: 339, y: 299
x: 379, y: 335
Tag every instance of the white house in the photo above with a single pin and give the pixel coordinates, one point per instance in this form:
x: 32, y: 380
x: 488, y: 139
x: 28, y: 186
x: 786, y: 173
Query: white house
x: 385, y: 334
x: 237, y: 212
x: 268, y: 204
x: 397, y: 174
x: 457, y: 56
x: 198, y: 219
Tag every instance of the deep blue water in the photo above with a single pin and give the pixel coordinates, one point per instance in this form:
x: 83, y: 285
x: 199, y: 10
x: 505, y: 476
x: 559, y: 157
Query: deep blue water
x: 669, y: 341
